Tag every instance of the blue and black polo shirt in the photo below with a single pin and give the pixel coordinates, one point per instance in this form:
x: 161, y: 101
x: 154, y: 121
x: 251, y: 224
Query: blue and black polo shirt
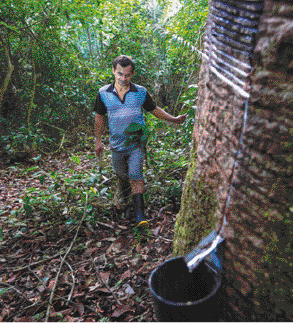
x: 122, y: 113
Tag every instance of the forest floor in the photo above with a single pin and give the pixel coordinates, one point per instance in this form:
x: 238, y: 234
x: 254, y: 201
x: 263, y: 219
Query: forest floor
x: 96, y: 272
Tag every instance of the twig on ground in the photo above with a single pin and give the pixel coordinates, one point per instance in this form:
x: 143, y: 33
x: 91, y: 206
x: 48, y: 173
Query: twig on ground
x: 38, y: 278
x: 73, y: 279
x: 63, y: 260
x: 90, y: 227
x: 134, y: 319
x: 102, y: 280
x: 8, y: 319
x: 34, y: 263
x: 73, y: 283
x: 160, y: 237
x: 112, y: 226
x: 161, y: 211
x: 105, y: 225
x: 15, y: 289
x: 74, y: 303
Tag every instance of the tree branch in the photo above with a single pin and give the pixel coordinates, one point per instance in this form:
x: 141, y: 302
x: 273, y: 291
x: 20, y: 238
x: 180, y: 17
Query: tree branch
x: 104, y: 282
x: 63, y: 260
x: 73, y: 283
x: 33, y: 264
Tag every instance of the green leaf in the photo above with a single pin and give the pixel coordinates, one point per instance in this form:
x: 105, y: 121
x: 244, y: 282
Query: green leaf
x: 76, y: 159
x: 93, y: 190
x: 132, y: 128
x: 128, y: 142
x: 3, y: 291
x: 144, y: 139
x: 42, y: 178
x: 83, y: 198
x: 137, y: 133
x: 29, y: 169
x: 37, y: 158
x: 9, y: 27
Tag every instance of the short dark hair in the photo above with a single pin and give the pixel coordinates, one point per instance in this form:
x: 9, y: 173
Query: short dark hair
x: 124, y: 61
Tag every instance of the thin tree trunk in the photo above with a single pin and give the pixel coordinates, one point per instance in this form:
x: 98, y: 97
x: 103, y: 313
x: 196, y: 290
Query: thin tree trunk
x: 102, y: 45
x: 90, y: 42
x: 31, y: 102
x: 10, y: 69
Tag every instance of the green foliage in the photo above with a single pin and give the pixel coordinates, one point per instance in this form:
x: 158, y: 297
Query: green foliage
x: 190, y: 20
x: 136, y: 133
x: 168, y: 154
x: 178, y: 38
x: 64, y: 197
x: 62, y: 52
x: 21, y: 140
x: 76, y: 159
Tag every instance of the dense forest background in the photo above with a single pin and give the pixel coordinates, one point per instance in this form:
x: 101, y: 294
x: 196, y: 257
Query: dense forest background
x: 56, y: 54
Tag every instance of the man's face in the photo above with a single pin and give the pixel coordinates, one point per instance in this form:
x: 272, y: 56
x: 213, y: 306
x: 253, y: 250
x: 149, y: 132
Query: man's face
x: 123, y: 75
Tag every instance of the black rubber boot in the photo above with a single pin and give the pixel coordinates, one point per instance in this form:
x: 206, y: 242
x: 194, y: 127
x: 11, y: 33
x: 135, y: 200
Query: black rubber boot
x: 125, y: 189
x: 139, y: 211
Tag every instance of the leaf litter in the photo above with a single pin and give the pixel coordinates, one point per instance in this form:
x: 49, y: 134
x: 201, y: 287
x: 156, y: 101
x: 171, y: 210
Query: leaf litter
x: 106, y: 274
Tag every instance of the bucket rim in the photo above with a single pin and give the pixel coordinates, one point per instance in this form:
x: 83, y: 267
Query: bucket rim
x: 189, y: 303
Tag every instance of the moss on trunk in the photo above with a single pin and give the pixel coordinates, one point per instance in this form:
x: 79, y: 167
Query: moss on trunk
x: 198, y: 206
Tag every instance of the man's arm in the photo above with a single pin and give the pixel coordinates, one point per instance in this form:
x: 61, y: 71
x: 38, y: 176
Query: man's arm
x: 99, y: 130
x: 161, y: 114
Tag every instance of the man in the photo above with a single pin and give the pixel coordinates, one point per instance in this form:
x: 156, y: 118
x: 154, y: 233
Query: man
x: 123, y: 102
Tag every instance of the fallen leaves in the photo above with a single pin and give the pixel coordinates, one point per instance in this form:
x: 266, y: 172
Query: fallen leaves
x: 119, y: 310
x: 126, y: 274
x: 105, y: 277
x: 107, y: 273
x: 80, y: 308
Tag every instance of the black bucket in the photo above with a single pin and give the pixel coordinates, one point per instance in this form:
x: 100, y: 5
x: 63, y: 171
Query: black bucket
x: 181, y: 296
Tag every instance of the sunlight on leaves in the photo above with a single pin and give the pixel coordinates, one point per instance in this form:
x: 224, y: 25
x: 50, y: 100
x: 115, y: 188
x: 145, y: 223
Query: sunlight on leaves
x: 76, y: 159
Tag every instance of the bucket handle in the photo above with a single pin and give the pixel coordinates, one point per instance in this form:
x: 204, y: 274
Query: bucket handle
x: 213, y: 267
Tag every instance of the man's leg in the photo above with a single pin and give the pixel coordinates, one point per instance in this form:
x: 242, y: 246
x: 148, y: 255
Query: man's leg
x: 119, y: 160
x: 135, y: 166
x: 124, y: 189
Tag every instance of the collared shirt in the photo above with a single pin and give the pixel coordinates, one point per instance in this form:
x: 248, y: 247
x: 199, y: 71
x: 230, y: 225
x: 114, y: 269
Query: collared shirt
x: 122, y: 113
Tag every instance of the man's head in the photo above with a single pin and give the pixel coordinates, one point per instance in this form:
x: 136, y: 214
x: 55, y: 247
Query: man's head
x: 123, y: 61
x: 123, y: 70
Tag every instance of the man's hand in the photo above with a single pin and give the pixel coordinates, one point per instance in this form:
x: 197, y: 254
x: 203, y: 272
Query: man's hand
x: 99, y: 148
x: 180, y: 119
x: 161, y: 114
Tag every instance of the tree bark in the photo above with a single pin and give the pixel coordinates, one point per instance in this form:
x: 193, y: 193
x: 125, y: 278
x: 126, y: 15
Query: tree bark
x: 10, y: 69
x: 258, y: 261
x: 211, y: 162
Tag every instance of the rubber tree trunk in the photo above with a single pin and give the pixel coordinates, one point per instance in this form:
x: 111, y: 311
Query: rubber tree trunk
x: 259, y: 257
